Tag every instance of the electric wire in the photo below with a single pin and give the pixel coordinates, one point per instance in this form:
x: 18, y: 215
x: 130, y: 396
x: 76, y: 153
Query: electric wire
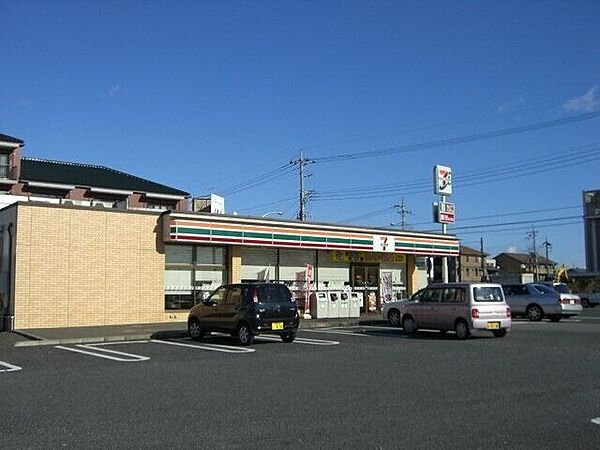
x: 488, y: 174
x: 518, y: 222
x: 518, y: 213
x: 459, y: 140
x: 521, y: 229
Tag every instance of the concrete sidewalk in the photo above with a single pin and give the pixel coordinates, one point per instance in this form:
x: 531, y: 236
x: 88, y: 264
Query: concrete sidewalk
x: 109, y: 333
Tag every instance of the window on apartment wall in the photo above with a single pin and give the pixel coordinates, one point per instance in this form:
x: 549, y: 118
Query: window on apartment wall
x: 4, y: 165
x: 191, y: 273
x: 160, y: 206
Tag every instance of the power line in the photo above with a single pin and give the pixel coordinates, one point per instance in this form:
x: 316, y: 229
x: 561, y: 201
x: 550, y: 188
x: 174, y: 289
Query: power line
x: 521, y: 229
x: 555, y: 163
x: 519, y: 222
x: 491, y: 170
x: 257, y: 181
x: 484, y: 175
x: 274, y: 202
x: 460, y: 140
x: 519, y: 213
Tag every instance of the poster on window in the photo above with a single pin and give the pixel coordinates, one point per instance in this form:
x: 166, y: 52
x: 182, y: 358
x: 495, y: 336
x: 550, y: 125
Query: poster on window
x: 386, y: 286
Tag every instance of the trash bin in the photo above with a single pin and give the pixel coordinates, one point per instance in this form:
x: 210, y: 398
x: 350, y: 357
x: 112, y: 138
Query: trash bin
x: 344, y: 305
x: 319, y: 305
x: 334, y: 300
x: 356, y: 300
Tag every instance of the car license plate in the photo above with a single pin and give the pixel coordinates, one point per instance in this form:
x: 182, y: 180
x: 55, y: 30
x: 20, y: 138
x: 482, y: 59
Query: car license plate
x: 277, y: 326
x: 493, y: 325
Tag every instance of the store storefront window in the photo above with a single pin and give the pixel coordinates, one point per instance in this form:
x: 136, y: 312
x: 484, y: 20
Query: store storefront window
x: 192, y: 273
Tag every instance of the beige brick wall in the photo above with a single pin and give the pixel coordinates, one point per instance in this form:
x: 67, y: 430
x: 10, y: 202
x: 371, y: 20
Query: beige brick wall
x: 235, y: 264
x: 80, y: 267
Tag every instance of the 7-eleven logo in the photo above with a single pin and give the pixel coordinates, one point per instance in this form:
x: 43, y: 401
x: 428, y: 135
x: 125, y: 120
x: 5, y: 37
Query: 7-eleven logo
x: 384, y: 244
x: 443, y: 180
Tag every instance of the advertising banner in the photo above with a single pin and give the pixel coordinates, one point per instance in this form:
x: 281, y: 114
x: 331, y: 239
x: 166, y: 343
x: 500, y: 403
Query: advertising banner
x: 446, y: 212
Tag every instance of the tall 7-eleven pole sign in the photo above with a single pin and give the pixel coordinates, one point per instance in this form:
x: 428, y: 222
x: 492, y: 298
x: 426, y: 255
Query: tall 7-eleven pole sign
x: 445, y: 212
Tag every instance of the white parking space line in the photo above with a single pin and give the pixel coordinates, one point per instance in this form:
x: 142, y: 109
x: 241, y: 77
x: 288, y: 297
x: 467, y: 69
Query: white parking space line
x: 99, y: 344
x: 375, y: 327
x: 8, y: 367
x: 210, y: 347
x: 529, y: 323
x: 596, y: 420
x: 347, y: 333
x: 298, y: 340
x: 104, y: 353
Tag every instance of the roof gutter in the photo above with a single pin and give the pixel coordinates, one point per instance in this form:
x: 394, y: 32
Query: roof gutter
x: 40, y: 184
x: 164, y: 196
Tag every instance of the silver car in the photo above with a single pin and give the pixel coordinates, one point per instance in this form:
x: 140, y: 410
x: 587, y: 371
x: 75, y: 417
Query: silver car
x: 466, y: 308
x: 391, y: 310
x: 537, y: 301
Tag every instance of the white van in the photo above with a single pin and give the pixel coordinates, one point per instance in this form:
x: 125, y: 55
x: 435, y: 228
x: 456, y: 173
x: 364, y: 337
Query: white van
x: 465, y: 308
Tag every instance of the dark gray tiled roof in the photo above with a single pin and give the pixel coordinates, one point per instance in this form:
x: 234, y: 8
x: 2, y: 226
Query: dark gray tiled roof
x: 525, y: 258
x: 85, y: 175
x: 12, y: 140
x: 464, y: 250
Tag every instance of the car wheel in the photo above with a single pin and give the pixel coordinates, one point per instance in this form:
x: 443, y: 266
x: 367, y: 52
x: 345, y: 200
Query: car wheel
x: 394, y: 317
x: 555, y: 318
x: 409, y: 325
x: 585, y: 303
x: 462, y: 329
x: 499, y: 333
x: 244, y: 334
x: 535, y: 313
x: 288, y: 337
x: 195, y: 330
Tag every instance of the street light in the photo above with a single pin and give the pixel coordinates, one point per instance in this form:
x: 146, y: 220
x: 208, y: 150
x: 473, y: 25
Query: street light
x: 279, y: 213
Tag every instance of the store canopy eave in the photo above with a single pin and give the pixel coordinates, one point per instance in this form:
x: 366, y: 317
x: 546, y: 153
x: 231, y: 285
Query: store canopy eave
x: 220, y: 229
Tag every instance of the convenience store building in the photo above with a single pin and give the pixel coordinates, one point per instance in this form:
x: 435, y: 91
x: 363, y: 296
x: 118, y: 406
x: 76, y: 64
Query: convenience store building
x: 67, y: 265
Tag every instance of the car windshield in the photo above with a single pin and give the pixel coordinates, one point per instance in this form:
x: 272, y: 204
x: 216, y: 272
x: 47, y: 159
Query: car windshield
x: 488, y: 294
x: 417, y: 295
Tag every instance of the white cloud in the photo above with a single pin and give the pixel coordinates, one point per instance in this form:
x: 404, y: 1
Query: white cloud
x: 511, y: 250
x: 113, y: 90
x: 587, y: 102
x: 510, y: 105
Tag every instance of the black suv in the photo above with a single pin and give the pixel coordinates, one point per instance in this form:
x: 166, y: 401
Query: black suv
x: 245, y: 310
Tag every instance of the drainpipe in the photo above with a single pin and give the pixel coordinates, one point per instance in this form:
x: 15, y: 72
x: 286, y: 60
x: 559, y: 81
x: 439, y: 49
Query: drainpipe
x: 10, y: 307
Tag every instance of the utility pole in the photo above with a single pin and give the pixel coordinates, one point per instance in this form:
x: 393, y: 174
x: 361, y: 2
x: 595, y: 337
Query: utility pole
x: 304, y: 195
x: 548, y: 246
x: 484, y: 274
x: 533, y: 235
x: 404, y: 212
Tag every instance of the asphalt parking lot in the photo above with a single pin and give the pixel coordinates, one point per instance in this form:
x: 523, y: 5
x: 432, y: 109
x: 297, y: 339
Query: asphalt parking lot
x: 355, y: 387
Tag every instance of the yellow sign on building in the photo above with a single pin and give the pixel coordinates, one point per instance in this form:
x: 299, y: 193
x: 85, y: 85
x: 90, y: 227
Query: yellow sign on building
x: 367, y: 257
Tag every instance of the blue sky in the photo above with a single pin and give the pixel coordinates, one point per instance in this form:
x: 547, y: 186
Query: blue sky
x: 206, y: 95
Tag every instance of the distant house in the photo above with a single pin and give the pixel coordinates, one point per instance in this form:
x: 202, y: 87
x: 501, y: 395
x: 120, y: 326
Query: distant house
x: 470, y: 264
x: 523, y: 263
x: 61, y: 182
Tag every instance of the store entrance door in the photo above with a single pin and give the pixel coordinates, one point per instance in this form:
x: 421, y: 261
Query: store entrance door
x: 365, y: 278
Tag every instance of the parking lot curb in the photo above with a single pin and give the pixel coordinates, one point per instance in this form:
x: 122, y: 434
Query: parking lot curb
x: 84, y: 340
x: 36, y: 341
